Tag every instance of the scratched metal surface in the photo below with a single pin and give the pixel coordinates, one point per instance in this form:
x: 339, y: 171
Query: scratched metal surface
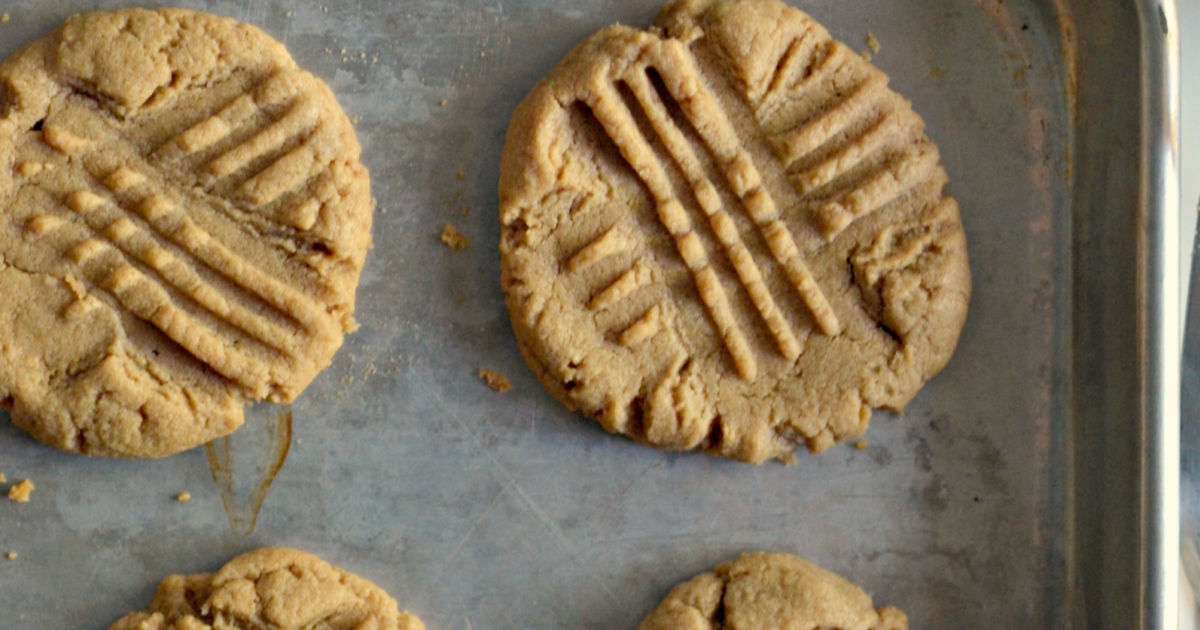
x: 480, y: 510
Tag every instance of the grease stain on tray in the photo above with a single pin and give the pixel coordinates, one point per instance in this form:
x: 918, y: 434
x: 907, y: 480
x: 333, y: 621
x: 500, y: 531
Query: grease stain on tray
x: 266, y: 445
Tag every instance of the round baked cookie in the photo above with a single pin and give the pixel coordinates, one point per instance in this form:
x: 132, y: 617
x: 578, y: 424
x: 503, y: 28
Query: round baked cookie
x: 183, y: 220
x: 270, y: 589
x: 728, y: 233
x: 770, y: 591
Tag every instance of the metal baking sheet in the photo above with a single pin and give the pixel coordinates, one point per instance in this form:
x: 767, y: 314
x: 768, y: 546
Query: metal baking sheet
x: 1008, y: 496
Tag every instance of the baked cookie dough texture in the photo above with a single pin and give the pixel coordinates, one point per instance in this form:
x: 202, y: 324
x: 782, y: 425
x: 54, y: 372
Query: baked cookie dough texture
x: 183, y: 220
x: 270, y: 589
x: 727, y: 233
x: 775, y: 591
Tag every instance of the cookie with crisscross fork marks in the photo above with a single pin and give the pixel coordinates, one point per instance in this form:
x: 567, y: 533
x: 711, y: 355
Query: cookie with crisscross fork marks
x: 183, y: 220
x: 727, y: 233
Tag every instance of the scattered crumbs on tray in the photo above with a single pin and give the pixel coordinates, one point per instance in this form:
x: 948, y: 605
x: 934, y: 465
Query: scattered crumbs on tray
x: 20, y: 492
x: 183, y: 497
x: 369, y: 371
x: 495, y: 380
x: 347, y: 379
x: 453, y: 238
x: 861, y: 445
x: 11, y: 555
x: 872, y: 43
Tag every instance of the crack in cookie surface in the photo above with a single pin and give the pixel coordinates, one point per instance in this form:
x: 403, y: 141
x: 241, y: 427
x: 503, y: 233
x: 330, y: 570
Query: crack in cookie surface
x: 770, y: 590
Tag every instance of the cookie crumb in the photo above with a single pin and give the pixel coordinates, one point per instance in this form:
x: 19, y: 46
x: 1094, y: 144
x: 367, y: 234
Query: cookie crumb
x: 288, y: 14
x: 873, y: 43
x: 370, y: 371
x: 20, y: 492
x: 354, y: 120
x: 861, y: 445
x: 462, y: 174
x: 3, y: 479
x: 465, y: 210
x: 495, y: 380
x: 866, y: 55
x: 442, y: 103
x: 183, y: 497
x: 4, y: 18
x: 453, y: 238
x: 11, y: 555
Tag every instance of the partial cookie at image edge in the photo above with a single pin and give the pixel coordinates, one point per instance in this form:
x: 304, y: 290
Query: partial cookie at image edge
x: 188, y: 208
x: 271, y: 588
x: 770, y: 590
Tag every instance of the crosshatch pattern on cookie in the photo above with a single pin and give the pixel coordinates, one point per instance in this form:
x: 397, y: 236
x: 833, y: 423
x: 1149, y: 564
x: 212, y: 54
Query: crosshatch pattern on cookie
x: 219, y: 220
x: 739, y: 143
x: 770, y: 590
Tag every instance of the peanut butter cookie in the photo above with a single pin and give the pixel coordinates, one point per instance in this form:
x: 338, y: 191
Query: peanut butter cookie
x: 727, y: 233
x: 270, y: 589
x: 776, y: 591
x: 184, y: 219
